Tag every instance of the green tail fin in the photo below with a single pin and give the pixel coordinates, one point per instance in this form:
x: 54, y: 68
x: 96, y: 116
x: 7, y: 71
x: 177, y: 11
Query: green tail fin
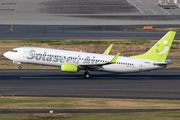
x: 160, y: 50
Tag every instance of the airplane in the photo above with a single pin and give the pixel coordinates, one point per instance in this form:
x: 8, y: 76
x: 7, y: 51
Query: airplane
x: 73, y: 61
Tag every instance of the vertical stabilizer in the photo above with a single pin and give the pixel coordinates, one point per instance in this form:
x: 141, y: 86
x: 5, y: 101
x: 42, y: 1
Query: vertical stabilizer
x: 160, y: 50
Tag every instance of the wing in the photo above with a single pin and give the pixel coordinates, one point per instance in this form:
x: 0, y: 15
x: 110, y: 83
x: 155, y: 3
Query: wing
x: 98, y: 65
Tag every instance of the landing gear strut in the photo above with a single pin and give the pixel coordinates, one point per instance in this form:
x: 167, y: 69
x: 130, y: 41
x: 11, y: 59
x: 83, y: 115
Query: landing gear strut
x: 86, y: 74
x: 20, y: 67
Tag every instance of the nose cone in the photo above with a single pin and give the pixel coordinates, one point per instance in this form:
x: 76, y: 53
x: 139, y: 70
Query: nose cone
x: 7, y: 54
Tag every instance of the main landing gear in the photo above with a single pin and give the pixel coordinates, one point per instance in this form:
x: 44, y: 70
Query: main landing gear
x: 19, y: 67
x: 86, y: 74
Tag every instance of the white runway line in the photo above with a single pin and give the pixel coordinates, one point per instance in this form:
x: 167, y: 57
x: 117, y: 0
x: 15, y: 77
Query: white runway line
x: 148, y: 7
x: 165, y: 11
x: 152, y: 10
x: 141, y: 2
x: 135, y: 6
x: 152, y: 2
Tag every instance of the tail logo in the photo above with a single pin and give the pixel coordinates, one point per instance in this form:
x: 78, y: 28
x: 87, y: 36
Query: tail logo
x: 165, y: 49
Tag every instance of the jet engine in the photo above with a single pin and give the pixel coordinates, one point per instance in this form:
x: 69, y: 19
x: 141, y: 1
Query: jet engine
x: 66, y: 67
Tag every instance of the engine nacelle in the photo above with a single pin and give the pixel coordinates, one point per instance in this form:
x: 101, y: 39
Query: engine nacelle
x: 66, y: 67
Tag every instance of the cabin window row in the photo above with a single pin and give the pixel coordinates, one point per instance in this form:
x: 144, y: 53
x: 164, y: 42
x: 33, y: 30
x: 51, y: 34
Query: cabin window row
x: 93, y: 60
x: 124, y: 63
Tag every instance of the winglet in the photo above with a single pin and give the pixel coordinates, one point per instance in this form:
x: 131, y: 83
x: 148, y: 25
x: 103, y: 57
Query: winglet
x: 106, y: 52
x: 114, y: 59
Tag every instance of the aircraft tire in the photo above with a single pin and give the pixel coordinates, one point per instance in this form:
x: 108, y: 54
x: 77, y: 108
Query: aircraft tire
x: 19, y: 67
x: 86, y: 75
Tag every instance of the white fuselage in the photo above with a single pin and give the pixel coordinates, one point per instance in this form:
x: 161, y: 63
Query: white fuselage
x: 55, y: 57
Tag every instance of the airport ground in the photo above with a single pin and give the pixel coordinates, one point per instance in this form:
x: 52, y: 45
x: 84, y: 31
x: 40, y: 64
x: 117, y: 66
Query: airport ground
x: 80, y: 12
x: 77, y: 19
x: 48, y: 32
x: 156, y: 84
x: 152, y: 95
x: 95, y: 116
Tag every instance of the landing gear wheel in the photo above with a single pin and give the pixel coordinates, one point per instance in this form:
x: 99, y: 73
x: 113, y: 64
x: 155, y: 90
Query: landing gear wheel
x: 19, y: 67
x: 86, y: 74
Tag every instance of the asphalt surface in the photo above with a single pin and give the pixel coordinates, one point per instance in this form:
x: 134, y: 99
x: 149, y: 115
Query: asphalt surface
x: 86, y: 7
x: 161, y: 84
x: 26, y: 32
x: 89, y: 12
x: 83, y: 110
x: 79, y: 19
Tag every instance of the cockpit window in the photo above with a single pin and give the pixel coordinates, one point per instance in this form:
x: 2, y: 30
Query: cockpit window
x: 14, y: 51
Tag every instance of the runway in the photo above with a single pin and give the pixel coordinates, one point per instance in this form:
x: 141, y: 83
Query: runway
x: 161, y: 84
x: 27, y: 32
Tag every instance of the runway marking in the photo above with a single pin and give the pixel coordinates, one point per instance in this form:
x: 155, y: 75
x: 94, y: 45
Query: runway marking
x: 152, y: 10
x: 14, y: 15
x: 152, y: 2
x: 165, y: 11
x: 174, y: 12
x: 75, y: 77
x: 135, y: 6
x: 148, y: 7
x: 141, y: 2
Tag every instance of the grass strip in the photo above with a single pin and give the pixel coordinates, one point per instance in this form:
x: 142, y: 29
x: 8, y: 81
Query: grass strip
x: 84, y: 103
